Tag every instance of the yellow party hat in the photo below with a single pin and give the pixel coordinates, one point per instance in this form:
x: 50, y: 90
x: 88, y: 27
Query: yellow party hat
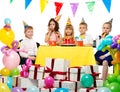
x: 68, y: 21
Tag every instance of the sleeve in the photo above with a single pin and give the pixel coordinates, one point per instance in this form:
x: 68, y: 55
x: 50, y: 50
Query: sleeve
x: 107, y: 54
x: 22, y: 46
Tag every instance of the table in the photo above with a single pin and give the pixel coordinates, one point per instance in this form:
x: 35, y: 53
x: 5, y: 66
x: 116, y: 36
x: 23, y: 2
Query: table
x: 77, y: 55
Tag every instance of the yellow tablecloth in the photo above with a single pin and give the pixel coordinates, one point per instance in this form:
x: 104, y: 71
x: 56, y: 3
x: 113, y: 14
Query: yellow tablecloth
x: 78, y: 56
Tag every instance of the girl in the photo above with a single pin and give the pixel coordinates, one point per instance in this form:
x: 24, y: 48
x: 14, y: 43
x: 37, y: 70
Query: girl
x: 68, y: 35
x: 53, y: 33
x: 104, y: 58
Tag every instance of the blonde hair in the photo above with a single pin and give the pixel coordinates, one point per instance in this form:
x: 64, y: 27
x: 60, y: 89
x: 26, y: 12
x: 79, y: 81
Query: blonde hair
x: 70, y: 27
x: 109, y: 24
x: 28, y: 28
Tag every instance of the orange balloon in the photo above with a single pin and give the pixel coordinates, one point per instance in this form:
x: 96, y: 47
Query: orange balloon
x: 5, y: 72
x: 7, y: 37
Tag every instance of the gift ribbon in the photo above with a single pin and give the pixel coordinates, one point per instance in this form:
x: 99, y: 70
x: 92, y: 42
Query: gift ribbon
x: 53, y: 73
x: 88, y: 89
x: 35, y: 70
x: 94, y: 74
x: 78, y: 73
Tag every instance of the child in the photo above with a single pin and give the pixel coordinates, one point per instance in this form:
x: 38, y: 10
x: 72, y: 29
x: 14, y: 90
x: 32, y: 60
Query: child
x: 104, y: 58
x: 87, y: 39
x: 53, y: 33
x: 29, y: 45
x: 68, y: 34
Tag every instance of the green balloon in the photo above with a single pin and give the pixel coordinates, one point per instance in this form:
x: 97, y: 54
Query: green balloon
x: 118, y: 79
x: 106, y: 83
x: 111, y: 78
x: 114, y: 87
x: 14, y: 72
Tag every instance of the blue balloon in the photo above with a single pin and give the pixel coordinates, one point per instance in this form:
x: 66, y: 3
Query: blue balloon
x: 7, y: 21
x: 32, y: 89
x: 61, y: 90
x: 103, y: 89
x: 9, y: 82
x: 87, y: 80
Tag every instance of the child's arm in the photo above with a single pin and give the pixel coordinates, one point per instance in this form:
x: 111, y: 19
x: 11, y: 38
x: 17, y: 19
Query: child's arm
x: 47, y: 36
x: 59, y: 38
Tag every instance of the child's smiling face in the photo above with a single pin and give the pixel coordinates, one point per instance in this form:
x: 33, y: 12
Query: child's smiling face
x: 82, y: 29
x: 68, y: 32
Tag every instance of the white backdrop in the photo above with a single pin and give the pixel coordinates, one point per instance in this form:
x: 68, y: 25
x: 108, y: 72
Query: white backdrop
x: 32, y: 15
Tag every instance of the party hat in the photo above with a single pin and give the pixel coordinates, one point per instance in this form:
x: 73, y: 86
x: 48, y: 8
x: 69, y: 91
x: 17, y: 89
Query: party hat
x: 82, y: 21
x: 57, y: 18
x: 110, y: 21
x: 68, y: 21
x: 25, y: 24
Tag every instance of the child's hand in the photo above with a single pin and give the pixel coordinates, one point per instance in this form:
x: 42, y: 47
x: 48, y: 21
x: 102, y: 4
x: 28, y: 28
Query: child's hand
x: 32, y: 57
x: 102, y: 57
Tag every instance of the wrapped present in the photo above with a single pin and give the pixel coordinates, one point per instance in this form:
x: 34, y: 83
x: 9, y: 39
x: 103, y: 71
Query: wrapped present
x: 52, y: 69
x: 3, y: 79
x: 75, y: 73
x: 71, y: 85
x: 99, y: 83
x: 88, y: 90
x: 36, y: 72
x: 24, y: 82
x: 47, y: 89
x: 41, y: 83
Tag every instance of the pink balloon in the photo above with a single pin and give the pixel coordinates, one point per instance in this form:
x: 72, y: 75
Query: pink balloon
x: 24, y: 67
x: 28, y: 62
x: 49, y: 81
x: 11, y: 60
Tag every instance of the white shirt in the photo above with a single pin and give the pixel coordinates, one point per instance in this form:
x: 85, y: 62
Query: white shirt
x: 30, y: 46
x: 88, y: 39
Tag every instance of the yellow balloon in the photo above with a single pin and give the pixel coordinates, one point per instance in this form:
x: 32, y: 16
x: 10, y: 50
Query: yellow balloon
x: 5, y: 72
x: 4, y: 88
x: 7, y: 37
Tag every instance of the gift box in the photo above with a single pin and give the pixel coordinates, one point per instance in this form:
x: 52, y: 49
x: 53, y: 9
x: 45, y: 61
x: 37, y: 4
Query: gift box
x: 88, y: 90
x: 75, y: 73
x: 36, y: 72
x: 3, y: 79
x: 99, y: 83
x: 47, y: 89
x: 24, y: 82
x: 41, y: 83
x: 70, y: 85
x: 57, y: 68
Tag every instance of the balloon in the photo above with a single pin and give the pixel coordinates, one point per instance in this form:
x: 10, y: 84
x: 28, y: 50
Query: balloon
x: 14, y: 72
x: 9, y: 82
x: 111, y: 78
x: 28, y: 62
x: 118, y: 79
x: 114, y: 45
x: 4, y: 88
x: 24, y: 67
x: 7, y: 37
x: 12, y: 60
x: 106, y: 83
x: 7, y: 21
x: 49, y: 81
x: 103, y: 89
x: 24, y: 74
x: 17, y: 89
x: 61, y: 90
x: 114, y: 87
x: 87, y: 80
x: 118, y: 46
x: 32, y: 89
x: 5, y: 72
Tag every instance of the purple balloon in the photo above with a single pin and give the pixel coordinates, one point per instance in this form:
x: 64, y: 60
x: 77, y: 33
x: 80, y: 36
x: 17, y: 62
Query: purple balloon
x: 114, y: 45
x: 49, y: 81
x: 118, y: 46
x: 17, y: 89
